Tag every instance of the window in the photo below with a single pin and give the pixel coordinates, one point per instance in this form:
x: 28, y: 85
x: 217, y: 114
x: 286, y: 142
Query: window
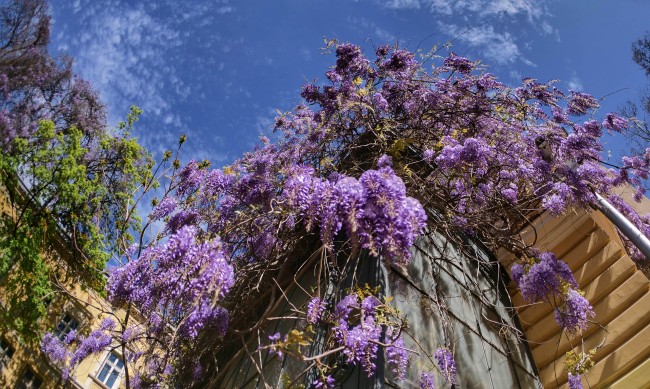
x: 6, y: 352
x: 67, y: 324
x: 111, y: 370
x: 29, y: 380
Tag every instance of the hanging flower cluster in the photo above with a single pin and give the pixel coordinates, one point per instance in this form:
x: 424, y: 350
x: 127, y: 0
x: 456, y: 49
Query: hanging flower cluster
x: 550, y: 278
x: 446, y: 364
x: 373, y: 210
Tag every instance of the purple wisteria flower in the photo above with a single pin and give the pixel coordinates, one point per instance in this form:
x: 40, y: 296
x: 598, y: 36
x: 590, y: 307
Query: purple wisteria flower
x: 446, y: 364
x: 107, y: 324
x: 575, y: 381
x: 190, y: 177
x: 325, y: 382
x: 54, y: 349
x: 397, y: 358
x: 614, y: 122
x: 573, y: 314
x: 274, y: 346
x: 315, y: 308
x: 164, y: 208
x: 350, y: 60
x: 360, y: 341
x: 380, y: 102
x: 374, y: 210
x: 544, y: 278
x: 428, y: 155
x: 384, y: 161
x: 97, y: 341
x: 400, y: 63
x: 580, y: 103
x: 186, y: 276
x: 459, y: 64
x: 427, y: 381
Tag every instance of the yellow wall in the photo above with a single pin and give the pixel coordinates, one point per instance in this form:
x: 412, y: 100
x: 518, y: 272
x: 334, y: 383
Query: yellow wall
x: 618, y: 292
x: 86, y: 306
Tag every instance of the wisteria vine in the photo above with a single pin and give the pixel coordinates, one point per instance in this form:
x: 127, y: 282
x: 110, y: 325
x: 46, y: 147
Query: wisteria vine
x: 382, y: 152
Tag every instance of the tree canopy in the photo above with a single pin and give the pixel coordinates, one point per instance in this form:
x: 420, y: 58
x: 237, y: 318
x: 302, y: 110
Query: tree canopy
x: 68, y: 179
x: 639, y: 133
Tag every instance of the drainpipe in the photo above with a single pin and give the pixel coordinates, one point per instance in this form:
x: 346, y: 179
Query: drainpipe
x: 626, y: 227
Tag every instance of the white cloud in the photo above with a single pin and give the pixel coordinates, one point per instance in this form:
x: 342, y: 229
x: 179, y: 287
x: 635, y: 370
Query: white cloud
x: 499, y: 47
x: 532, y: 9
x: 133, y: 54
x: 382, y: 35
x: 486, y: 31
x: 402, y: 4
x: 574, y: 83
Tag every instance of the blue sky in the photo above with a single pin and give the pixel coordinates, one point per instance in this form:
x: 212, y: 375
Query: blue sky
x: 218, y: 70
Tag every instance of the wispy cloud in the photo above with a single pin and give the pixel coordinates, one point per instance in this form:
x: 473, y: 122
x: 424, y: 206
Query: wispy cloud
x: 575, y: 83
x: 499, y: 47
x: 134, y: 53
x: 381, y: 34
x: 491, y: 27
x: 402, y: 4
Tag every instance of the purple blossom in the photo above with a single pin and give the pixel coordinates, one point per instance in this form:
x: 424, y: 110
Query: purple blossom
x: 360, y: 341
x: 614, y: 122
x: 107, y: 324
x: 325, y: 382
x: 346, y: 305
x: 373, y: 210
x: 544, y: 278
x: 203, y: 318
x: 573, y: 314
x: 350, y: 60
x: 315, y: 308
x: 190, y: 178
x: 97, y: 341
x: 380, y: 102
x: 427, y: 381
x: 382, y: 51
x: 580, y: 103
x: 56, y: 351
x: 186, y: 276
x: 310, y: 92
x: 397, y: 358
x: 164, y: 208
x: 428, y: 155
x: 369, y: 303
x: 459, y: 64
x: 575, y: 381
x: 517, y: 271
x: 446, y: 364
x: 275, y: 347
x: 554, y: 203
x: 401, y: 63
x: 182, y: 219
x: 592, y: 128
x: 384, y: 161
x: 215, y: 184
x: 510, y: 194
x: 130, y: 333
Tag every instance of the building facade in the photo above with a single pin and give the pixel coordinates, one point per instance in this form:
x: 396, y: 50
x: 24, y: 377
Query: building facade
x: 71, y: 308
